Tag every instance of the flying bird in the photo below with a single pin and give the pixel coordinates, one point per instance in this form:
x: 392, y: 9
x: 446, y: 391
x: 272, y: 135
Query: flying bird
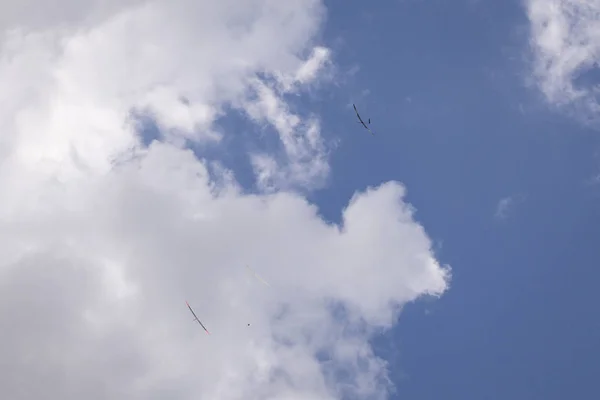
x: 196, y: 317
x: 361, y: 120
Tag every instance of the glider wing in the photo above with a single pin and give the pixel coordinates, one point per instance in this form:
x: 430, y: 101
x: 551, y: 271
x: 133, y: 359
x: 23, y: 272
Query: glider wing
x: 196, y: 317
x: 361, y: 121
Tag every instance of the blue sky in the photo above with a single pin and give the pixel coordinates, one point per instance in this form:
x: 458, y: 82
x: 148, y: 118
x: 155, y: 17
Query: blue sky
x: 520, y: 320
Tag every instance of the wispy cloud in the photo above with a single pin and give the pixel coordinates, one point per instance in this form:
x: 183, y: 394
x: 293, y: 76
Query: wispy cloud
x: 565, y: 40
x: 506, y: 204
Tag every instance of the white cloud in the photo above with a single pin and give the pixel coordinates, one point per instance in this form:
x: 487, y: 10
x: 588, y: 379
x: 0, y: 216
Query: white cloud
x: 506, y: 204
x: 302, y: 143
x: 502, y: 207
x: 103, y: 239
x: 565, y: 38
x: 138, y: 60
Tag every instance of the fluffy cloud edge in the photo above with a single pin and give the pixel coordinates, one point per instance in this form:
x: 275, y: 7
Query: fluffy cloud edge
x: 564, y: 45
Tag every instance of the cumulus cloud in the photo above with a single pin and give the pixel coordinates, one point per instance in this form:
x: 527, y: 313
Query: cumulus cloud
x: 565, y: 39
x: 103, y: 238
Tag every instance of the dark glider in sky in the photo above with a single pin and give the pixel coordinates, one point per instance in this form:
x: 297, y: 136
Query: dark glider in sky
x: 196, y: 317
x: 361, y: 121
